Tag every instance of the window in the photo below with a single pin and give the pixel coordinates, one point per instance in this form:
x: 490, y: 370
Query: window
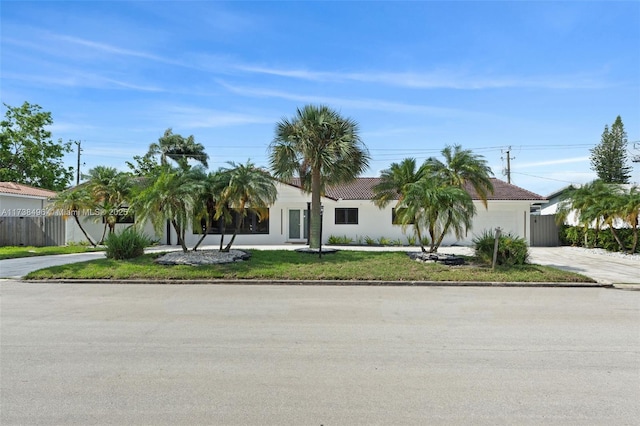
x: 346, y: 216
x: 394, y: 218
x: 250, y: 224
x: 121, y: 215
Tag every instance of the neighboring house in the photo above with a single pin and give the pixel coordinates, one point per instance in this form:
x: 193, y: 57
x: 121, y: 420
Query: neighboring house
x: 18, y: 200
x: 349, y: 211
x: 557, y: 197
x: 24, y: 217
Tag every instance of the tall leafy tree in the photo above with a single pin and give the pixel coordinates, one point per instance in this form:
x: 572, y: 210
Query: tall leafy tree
x: 609, y: 158
x: 72, y: 202
x: 27, y: 153
x: 249, y: 189
x: 322, y: 148
x: 175, y: 147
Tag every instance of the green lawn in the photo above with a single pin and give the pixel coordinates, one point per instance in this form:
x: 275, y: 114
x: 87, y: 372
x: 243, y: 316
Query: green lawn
x: 13, y: 252
x: 290, y: 265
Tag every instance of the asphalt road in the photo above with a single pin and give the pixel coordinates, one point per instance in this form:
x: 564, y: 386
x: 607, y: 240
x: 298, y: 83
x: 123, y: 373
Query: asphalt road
x: 277, y: 355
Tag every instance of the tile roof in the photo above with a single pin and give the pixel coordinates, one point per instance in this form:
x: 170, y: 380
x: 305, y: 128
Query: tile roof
x: 362, y: 189
x: 20, y: 189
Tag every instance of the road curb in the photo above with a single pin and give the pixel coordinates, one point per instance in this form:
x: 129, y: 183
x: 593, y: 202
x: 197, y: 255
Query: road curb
x: 329, y: 283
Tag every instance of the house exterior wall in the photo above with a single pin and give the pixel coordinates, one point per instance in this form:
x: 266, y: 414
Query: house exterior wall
x: 511, y: 216
x: 21, y: 205
x: 94, y: 227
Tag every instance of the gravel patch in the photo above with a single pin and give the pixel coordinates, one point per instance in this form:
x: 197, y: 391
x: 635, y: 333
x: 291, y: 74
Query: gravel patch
x: 603, y: 252
x: 204, y: 257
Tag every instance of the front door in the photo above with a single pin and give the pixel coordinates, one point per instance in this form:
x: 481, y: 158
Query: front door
x: 298, y: 225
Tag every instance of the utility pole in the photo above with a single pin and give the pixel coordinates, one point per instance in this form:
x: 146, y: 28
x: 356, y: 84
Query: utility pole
x: 78, y: 168
x: 509, y: 158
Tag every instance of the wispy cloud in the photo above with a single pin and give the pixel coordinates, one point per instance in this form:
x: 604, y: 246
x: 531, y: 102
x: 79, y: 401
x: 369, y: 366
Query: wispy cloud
x: 109, y: 48
x: 76, y: 79
x: 190, y: 117
x: 554, y: 162
x: 363, y: 103
x: 440, y: 79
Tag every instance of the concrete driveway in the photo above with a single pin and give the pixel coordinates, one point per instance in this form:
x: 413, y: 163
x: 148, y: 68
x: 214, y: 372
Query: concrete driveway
x: 604, y: 268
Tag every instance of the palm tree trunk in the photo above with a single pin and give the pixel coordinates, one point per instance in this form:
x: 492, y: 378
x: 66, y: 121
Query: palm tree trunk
x: 617, y: 238
x: 314, y: 235
x: 204, y: 234
x: 104, y: 232
x: 447, y: 225
x: 419, y: 234
x: 237, y: 229
x: 179, y: 234
x: 75, y: 216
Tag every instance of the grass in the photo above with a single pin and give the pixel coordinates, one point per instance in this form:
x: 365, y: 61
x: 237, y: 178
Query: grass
x: 14, y: 252
x: 290, y: 265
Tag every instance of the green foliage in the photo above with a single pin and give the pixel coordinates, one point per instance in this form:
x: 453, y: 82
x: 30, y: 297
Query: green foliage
x: 27, y: 153
x: 575, y: 236
x: 512, y: 250
x: 339, y: 240
x: 384, y: 241
x: 370, y: 241
x: 322, y: 148
x: 128, y: 244
x: 177, y: 148
x: 609, y: 158
x: 397, y: 242
x: 412, y: 240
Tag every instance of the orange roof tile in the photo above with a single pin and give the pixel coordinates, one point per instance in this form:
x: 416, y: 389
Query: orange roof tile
x: 20, y: 189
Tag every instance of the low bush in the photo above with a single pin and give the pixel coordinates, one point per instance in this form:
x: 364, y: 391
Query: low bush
x: 127, y: 244
x: 334, y: 239
x: 512, y: 250
x: 579, y: 237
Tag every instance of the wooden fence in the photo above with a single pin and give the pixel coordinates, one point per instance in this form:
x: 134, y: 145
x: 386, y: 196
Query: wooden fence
x: 36, y: 231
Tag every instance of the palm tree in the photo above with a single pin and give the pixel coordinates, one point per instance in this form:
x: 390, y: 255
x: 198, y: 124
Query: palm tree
x: 211, y: 207
x: 462, y: 167
x: 322, y: 148
x: 110, y: 190
x: 393, y: 186
x: 630, y: 212
x: 436, y: 206
x: 595, y: 204
x: 72, y: 202
x: 177, y: 148
x: 171, y: 196
x: 249, y: 189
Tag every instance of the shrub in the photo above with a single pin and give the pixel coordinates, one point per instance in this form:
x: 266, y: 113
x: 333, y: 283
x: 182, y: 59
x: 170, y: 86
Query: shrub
x: 412, y: 240
x: 370, y: 241
x: 126, y: 245
x: 384, y: 241
x: 334, y: 239
x: 512, y: 250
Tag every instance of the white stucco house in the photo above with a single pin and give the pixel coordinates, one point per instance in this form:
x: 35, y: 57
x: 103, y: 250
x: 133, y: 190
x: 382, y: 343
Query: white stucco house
x: 349, y: 211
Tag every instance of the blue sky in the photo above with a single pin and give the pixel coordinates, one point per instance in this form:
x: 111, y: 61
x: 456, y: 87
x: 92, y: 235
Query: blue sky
x: 540, y: 78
